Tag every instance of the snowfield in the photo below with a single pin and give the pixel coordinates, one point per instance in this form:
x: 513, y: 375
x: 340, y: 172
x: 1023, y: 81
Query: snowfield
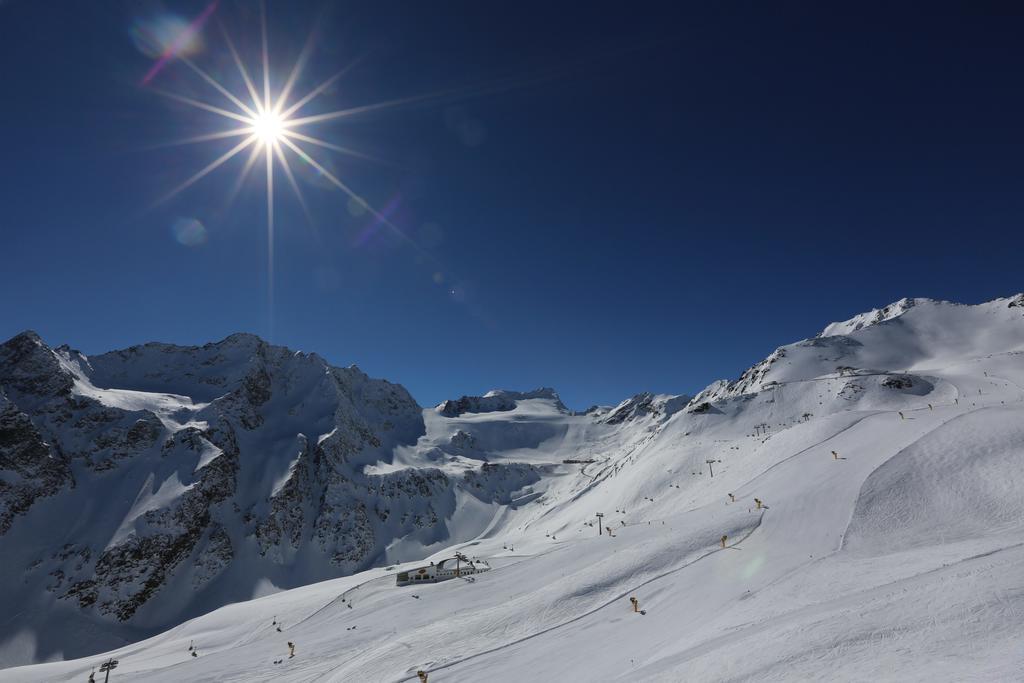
x: 888, y: 454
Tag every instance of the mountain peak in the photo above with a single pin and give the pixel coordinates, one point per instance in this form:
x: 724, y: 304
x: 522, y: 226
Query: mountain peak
x: 241, y: 338
x: 28, y: 365
x: 24, y: 337
x: 875, y: 316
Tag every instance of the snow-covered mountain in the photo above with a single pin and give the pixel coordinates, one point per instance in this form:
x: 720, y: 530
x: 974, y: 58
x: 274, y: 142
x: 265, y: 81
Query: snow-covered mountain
x: 887, y: 452
x: 145, y: 486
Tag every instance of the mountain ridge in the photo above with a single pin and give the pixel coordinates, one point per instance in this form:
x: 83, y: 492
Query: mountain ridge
x: 194, y: 477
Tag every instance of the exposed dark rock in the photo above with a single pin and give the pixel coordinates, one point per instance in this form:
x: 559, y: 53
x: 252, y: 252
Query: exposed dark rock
x: 495, y: 401
x: 31, y: 468
x: 644, y: 405
x: 701, y: 408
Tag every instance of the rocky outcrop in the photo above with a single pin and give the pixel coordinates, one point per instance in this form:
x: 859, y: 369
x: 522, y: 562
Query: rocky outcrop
x: 643, y: 405
x: 31, y: 468
x: 872, y: 317
x: 132, y: 569
x: 462, y: 442
x: 752, y: 380
x: 28, y: 368
x: 494, y: 483
x: 496, y: 401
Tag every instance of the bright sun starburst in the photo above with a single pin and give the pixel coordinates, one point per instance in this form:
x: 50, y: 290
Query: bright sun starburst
x: 269, y: 127
x: 268, y: 124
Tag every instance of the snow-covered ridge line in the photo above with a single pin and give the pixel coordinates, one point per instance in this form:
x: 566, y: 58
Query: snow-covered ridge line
x: 898, y: 308
x: 841, y: 343
x: 141, y: 489
x: 658, y: 406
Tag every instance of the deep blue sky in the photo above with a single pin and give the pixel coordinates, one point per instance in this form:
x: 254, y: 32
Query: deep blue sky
x: 671, y: 190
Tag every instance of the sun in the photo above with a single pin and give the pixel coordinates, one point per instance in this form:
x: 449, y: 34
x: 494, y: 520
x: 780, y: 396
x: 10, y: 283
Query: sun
x: 268, y: 127
x: 268, y: 121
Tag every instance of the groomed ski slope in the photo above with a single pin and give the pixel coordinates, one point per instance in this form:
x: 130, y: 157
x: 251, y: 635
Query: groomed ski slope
x: 903, y: 560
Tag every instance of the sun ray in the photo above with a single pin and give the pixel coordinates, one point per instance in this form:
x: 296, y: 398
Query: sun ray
x: 266, y: 57
x: 249, y: 85
x: 342, y: 186
x: 270, y: 235
x: 210, y: 167
x: 331, y: 146
x: 220, y: 88
x: 317, y: 90
x: 202, y: 105
x: 378, y: 106
x: 236, y: 188
x: 287, y: 168
x: 327, y: 174
x: 206, y: 137
x: 297, y: 69
x: 436, y: 97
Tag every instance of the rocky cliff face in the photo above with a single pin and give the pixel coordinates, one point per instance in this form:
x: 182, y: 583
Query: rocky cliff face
x: 645, y: 405
x: 498, y: 400
x: 135, y: 481
x: 31, y: 469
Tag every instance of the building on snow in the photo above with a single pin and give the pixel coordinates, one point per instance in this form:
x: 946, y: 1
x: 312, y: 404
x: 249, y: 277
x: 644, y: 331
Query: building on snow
x: 450, y: 568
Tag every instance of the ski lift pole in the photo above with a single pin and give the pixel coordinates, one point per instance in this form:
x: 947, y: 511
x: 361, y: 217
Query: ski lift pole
x: 599, y: 530
x: 459, y: 557
x: 710, y: 464
x: 107, y: 667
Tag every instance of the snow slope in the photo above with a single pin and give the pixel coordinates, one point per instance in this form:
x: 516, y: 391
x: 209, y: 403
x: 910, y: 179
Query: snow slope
x: 888, y: 451
x: 147, y: 486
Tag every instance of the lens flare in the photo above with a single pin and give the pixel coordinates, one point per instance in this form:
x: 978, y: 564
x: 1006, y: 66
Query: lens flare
x: 155, y: 36
x: 189, y: 232
x: 172, y: 38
